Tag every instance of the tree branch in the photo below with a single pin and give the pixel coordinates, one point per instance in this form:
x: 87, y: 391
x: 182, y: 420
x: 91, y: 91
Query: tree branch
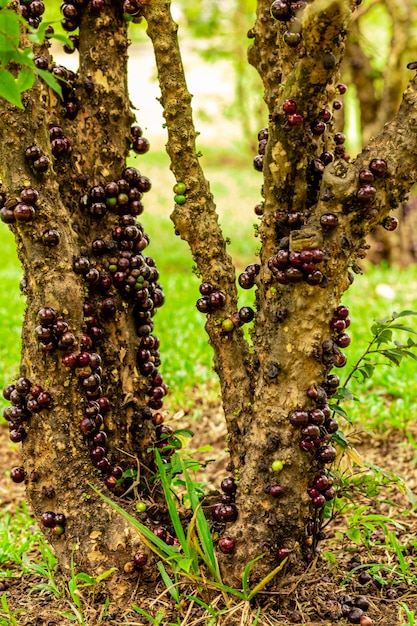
x: 196, y: 221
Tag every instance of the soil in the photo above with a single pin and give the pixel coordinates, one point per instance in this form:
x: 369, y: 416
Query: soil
x: 317, y: 597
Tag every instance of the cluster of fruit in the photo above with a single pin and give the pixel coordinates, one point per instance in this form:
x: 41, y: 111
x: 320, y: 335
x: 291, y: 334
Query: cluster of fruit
x: 226, y: 511
x: 238, y: 318
x: 67, y: 79
x: 60, y: 145
x: 297, y: 266
x: 366, y: 194
x: 352, y: 609
x: 331, y: 354
x: 87, y: 368
x: 211, y: 299
x: 139, y: 144
x: 322, y: 490
x: 23, y: 211
x: 179, y: 190
x: 122, y: 196
x: 55, y: 521
x: 285, y: 11
x: 247, y: 278
x: 262, y: 143
x: 26, y: 398
x: 52, y: 332
x: 32, y: 12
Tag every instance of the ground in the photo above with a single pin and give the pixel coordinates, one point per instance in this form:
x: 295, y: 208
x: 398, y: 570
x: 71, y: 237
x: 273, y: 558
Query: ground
x: 315, y: 598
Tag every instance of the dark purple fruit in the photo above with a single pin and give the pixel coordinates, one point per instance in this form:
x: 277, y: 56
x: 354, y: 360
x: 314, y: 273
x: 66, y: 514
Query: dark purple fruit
x: 42, y: 163
x: 378, y: 167
x: 295, y: 119
x: 366, y: 194
x: 29, y: 195
x: 24, y: 212
x: 364, y: 578
x: 17, y: 474
x: 160, y: 532
x: 140, y: 145
x: 298, y: 417
x: 227, y: 513
x: 228, y: 485
x: 275, y: 491
x: 329, y: 220
x: 342, y: 312
x: 140, y: 559
x: 390, y: 223
x: 51, y: 238
x: 366, y: 176
x: 354, y: 615
x: 289, y: 106
x: 318, y: 501
x: 343, y: 340
x: 226, y: 544
x: 48, y: 519
x: 327, y: 454
x: 362, y: 602
x: 283, y: 553
x: 318, y: 127
x: 60, y: 519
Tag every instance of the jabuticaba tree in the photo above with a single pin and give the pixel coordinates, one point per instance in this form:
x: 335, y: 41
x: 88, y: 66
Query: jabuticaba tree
x: 86, y: 404
x: 89, y: 395
x: 316, y: 207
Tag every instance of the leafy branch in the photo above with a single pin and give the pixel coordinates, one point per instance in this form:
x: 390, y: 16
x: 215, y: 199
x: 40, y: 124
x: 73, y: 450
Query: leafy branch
x: 11, y: 52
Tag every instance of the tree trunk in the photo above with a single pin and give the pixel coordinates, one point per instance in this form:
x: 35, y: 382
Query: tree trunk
x: 75, y: 309
x: 310, y: 210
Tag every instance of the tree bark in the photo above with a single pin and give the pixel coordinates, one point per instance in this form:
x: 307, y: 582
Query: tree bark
x: 56, y: 451
x: 294, y: 348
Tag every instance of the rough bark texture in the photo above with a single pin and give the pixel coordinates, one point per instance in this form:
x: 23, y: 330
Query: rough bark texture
x: 56, y: 452
x: 294, y: 347
x: 379, y: 95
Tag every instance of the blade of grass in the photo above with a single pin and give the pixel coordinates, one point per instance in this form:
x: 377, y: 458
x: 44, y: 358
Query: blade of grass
x: 203, y: 529
x: 172, y: 509
x: 171, y: 586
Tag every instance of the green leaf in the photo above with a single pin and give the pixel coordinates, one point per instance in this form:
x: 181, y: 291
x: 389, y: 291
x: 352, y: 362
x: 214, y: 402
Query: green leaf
x: 384, y: 337
x: 338, y: 409
x: 9, y: 89
x: 50, y: 80
x: 4, y: 3
x: 184, y: 432
x: 9, y: 25
x: 354, y: 535
x: 405, y: 313
x: 343, y: 393
x: 106, y: 574
x: 25, y: 80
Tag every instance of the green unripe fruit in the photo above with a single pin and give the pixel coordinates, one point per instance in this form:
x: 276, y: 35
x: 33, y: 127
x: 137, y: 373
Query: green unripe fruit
x: 112, y: 268
x: 179, y: 188
x: 277, y: 465
x: 140, y: 507
x: 179, y: 199
x: 227, y: 325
